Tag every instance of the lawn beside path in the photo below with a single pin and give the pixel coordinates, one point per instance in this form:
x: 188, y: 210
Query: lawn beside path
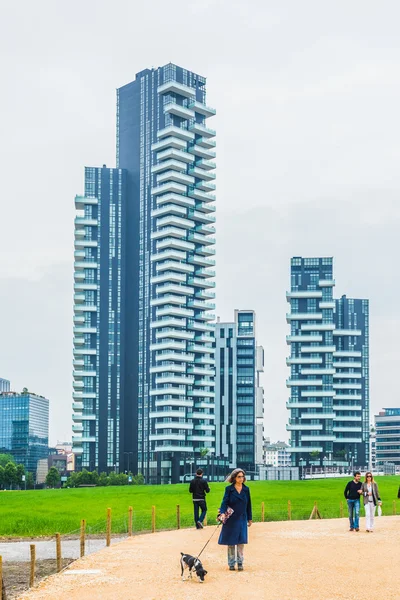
x: 43, y: 512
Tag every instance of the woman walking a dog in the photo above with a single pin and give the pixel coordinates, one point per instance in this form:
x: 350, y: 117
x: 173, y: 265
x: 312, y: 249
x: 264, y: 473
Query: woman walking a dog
x: 235, y: 524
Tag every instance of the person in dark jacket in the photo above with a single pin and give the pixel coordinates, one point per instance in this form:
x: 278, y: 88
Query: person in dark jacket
x: 398, y: 493
x: 352, y: 493
x: 234, y: 528
x: 199, y: 488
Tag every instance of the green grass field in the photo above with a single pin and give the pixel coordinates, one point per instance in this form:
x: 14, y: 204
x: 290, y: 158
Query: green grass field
x: 44, y: 512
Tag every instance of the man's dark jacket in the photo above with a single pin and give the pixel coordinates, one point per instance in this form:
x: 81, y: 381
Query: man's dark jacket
x: 198, y: 488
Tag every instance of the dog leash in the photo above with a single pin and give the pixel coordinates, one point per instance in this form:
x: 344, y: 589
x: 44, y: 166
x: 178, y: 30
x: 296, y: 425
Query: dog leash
x: 208, y: 540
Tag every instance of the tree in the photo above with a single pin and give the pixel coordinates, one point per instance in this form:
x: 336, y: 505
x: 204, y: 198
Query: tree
x: 25, y: 390
x: 10, y: 474
x: 20, y: 473
x: 6, y: 458
x: 53, y: 477
x: 204, y: 452
x: 1, y: 475
x: 30, y: 483
x: 315, y: 455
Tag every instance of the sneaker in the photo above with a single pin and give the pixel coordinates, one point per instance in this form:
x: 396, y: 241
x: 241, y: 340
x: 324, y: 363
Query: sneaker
x: 200, y: 525
x: 240, y: 567
x: 231, y: 568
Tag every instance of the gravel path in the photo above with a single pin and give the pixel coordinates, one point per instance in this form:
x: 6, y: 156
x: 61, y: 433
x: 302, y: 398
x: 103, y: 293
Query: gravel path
x: 297, y: 560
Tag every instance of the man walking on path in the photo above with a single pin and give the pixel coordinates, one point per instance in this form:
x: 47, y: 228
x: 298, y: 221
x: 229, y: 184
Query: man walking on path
x: 352, y: 494
x: 199, y: 488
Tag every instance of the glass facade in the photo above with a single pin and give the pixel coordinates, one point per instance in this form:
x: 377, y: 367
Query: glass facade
x: 144, y: 356
x: 24, y: 428
x: 329, y: 369
x: 387, y: 427
x: 239, y: 396
x: 99, y: 324
x: 4, y: 385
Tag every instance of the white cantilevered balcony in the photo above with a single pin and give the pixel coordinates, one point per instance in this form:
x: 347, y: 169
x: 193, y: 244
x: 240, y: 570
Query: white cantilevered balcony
x: 175, y: 199
x: 205, y: 186
x: 326, y: 283
x: 173, y: 108
x: 302, y: 382
x: 169, y: 187
x: 303, y: 338
x: 202, y: 152
x: 201, y: 195
x: 169, y: 209
x: 201, y: 239
x: 174, y: 380
x: 304, y: 294
x: 169, y: 276
x: 172, y: 164
x: 169, y: 142
x: 173, y: 87
x: 205, y: 250
x: 85, y: 222
x: 202, y: 109
x: 317, y: 349
x: 200, y: 129
x: 81, y: 201
x: 173, y: 265
x: 175, y: 334
x: 198, y: 215
x: 173, y: 288
x: 168, y: 255
x: 203, y: 261
x: 168, y: 368
x: 172, y: 130
x: 175, y: 300
x: 201, y: 283
x: 168, y: 345
x: 174, y: 311
x: 206, y: 142
x: 168, y: 232
x: 168, y: 322
x: 187, y: 357
x: 174, y: 243
x: 304, y: 317
x: 175, y: 153
x: 173, y: 220
x: 175, y: 176
x: 202, y: 174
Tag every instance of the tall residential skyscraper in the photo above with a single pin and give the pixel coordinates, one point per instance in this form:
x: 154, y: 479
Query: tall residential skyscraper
x: 329, y: 369
x: 239, y: 407
x: 165, y: 151
x: 99, y: 412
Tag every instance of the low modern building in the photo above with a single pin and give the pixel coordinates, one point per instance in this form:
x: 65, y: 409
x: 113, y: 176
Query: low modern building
x: 387, y: 426
x: 4, y: 385
x: 277, y: 454
x: 24, y: 428
x: 239, y: 396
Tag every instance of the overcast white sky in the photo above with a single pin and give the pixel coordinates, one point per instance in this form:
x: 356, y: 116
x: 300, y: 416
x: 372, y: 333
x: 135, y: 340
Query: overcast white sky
x: 308, y: 131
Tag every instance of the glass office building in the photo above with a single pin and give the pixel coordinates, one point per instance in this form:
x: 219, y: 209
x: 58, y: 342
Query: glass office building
x: 165, y: 151
x: 387, y: 427
x: 329, y: 370
x: 24, y: 428
x: 4, y: 385
x: 239, y: 397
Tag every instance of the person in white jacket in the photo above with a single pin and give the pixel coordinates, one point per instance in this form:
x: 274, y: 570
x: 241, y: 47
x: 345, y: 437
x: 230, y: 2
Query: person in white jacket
x: 371, y: 498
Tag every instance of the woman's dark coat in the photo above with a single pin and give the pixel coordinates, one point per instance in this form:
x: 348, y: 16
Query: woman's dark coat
x: 234, y: 531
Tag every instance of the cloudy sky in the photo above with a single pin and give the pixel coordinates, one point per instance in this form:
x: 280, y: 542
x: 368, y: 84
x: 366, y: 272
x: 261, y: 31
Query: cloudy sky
x: 308, y: 97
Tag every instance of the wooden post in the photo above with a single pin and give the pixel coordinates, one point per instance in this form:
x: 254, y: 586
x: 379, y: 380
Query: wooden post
x: 33, y: 565
x: 1, y: 578
x: 58, y: 552
x: 83, y: 531
x: 178, y: 516
x: 130, y: 521
x: 341, y: 510
x: 153, y: 519
x: 205, y: 522
x: 262, y: 512
x: 289, y: 510
x: 108, y: 530
x: 315, y: 514
x: 394, y: 507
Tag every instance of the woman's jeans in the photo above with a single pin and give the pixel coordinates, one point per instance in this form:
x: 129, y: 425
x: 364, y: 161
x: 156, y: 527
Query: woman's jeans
x: 232, y: 555
x: 354, y: 513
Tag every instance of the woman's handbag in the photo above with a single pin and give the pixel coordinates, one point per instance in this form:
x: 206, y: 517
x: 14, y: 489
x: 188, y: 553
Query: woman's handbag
x: 223, y: 519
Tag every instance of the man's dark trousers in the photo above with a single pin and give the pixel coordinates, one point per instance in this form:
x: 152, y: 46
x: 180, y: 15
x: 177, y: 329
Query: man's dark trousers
x: 197, y: 505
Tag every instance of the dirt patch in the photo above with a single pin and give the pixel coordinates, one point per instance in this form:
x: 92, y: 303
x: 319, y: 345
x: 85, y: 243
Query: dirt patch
x: 293, y: 560
x: 16, y: 575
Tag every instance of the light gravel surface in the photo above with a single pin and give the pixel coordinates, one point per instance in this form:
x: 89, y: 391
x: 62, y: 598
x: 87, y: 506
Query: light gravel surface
x: 20, y: 551
x: 297, y: 560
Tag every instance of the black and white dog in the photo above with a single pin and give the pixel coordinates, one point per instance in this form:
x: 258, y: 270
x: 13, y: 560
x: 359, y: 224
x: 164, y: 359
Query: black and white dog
x: 193, y: 564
